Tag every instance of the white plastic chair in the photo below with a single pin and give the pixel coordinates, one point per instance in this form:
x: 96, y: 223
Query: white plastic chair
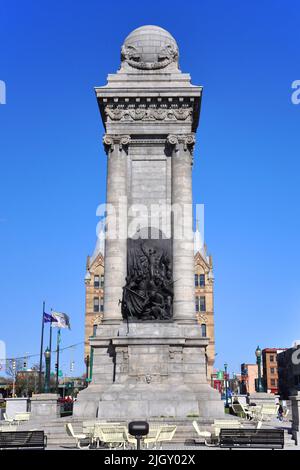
x: 166, y: 433
x: 203, y: 434
x: 7, y: 419
x: 112, y: 434
x: 22, y: 417
x: 152, y: 436
x: 78, y: 437
x: 225, y: 424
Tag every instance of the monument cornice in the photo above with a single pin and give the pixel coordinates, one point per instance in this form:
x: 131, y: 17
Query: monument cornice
x: 149, y: 108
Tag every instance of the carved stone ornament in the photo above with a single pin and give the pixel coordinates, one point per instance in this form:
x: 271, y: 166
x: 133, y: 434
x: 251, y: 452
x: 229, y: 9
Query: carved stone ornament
x: 132, y: 55
x: 109, y: 141
x: 98, y: 319
x: 151, y: 114
x: 188, y: 141
x: 201, y: 318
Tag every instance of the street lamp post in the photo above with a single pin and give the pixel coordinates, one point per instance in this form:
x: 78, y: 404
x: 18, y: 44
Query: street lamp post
x: 87, y: 363
x: 47, y: 355
x: 258, y: 353
x: 226, y: 385
x: 14, y: 378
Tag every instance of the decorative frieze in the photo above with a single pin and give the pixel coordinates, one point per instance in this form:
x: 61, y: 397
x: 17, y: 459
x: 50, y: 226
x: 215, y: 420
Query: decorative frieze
x: 160, y: 112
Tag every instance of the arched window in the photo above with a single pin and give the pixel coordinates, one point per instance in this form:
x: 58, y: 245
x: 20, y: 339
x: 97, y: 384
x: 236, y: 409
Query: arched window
x: 203, y: 330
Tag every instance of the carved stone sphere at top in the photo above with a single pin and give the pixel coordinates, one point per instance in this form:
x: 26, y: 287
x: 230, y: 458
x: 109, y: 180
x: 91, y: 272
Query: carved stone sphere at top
x: 149, y: 48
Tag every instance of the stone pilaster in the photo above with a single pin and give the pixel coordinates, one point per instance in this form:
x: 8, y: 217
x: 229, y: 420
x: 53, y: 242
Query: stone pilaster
x: 182, y: 227
x: 116, y: 227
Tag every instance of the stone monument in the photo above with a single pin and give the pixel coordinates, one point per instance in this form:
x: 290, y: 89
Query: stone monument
x: 149, y: 356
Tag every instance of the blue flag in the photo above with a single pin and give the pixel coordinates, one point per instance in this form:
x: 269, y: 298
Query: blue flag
x: 49, y: 318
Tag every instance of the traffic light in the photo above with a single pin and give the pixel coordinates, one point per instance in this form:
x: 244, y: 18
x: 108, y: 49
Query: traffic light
x: 56, y: 366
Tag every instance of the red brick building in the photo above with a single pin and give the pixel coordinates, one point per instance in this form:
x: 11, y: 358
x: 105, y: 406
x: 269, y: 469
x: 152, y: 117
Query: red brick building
x: 270, y: 368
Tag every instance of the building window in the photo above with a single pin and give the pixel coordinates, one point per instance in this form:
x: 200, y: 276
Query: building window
x: 102, y: 280
x: 203, y: 330
x: 272, y: 370
x: 202, y: 304
x: 101, y: 304
x: 199, y: 280
x: 197, y: 304
x: 273, y: 382
x: 96, y: 304
x: 271, y: 358
x: 297, y: 379
x: 96, y: 281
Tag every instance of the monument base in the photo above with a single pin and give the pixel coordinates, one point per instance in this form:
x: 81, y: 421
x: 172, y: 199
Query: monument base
x: 149, y: 370
x: 44, y: 405
x: 259, y: 398
x: 16, y: 405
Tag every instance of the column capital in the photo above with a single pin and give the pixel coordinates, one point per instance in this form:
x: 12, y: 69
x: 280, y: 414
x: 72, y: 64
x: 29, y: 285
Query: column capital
x: 188, y: 141
x: 109, y: 141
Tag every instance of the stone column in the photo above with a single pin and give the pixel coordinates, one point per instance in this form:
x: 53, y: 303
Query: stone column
x: 295, y: 408
x: 182, y: 227
x: 116, y: 227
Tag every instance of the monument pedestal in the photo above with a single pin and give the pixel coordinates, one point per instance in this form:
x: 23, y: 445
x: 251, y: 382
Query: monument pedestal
x: 16, y: 405
x: 44, y: 405
x: 149, y: 370
x: 262, y: 397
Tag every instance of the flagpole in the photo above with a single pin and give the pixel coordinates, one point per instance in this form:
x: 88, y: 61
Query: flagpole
x: 41, y: 351
x: 50, y: 345
x: 57, y: 358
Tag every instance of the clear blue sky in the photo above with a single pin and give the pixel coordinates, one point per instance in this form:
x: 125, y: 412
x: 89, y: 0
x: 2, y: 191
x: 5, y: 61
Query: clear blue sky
x: 52, y: 173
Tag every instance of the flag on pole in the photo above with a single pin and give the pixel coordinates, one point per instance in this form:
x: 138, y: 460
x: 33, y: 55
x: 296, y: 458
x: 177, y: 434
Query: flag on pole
x: 49, y: 318
x: 61, y: 320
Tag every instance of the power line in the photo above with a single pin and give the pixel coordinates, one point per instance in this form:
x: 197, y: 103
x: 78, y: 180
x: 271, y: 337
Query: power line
x: 37, y: 355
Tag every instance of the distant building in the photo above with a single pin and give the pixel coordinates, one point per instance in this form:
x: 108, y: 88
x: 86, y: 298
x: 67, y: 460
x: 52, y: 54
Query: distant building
x: 270, y: 371
x: 249, y: 374
x: 289, y: 371
x: 204, y: 294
